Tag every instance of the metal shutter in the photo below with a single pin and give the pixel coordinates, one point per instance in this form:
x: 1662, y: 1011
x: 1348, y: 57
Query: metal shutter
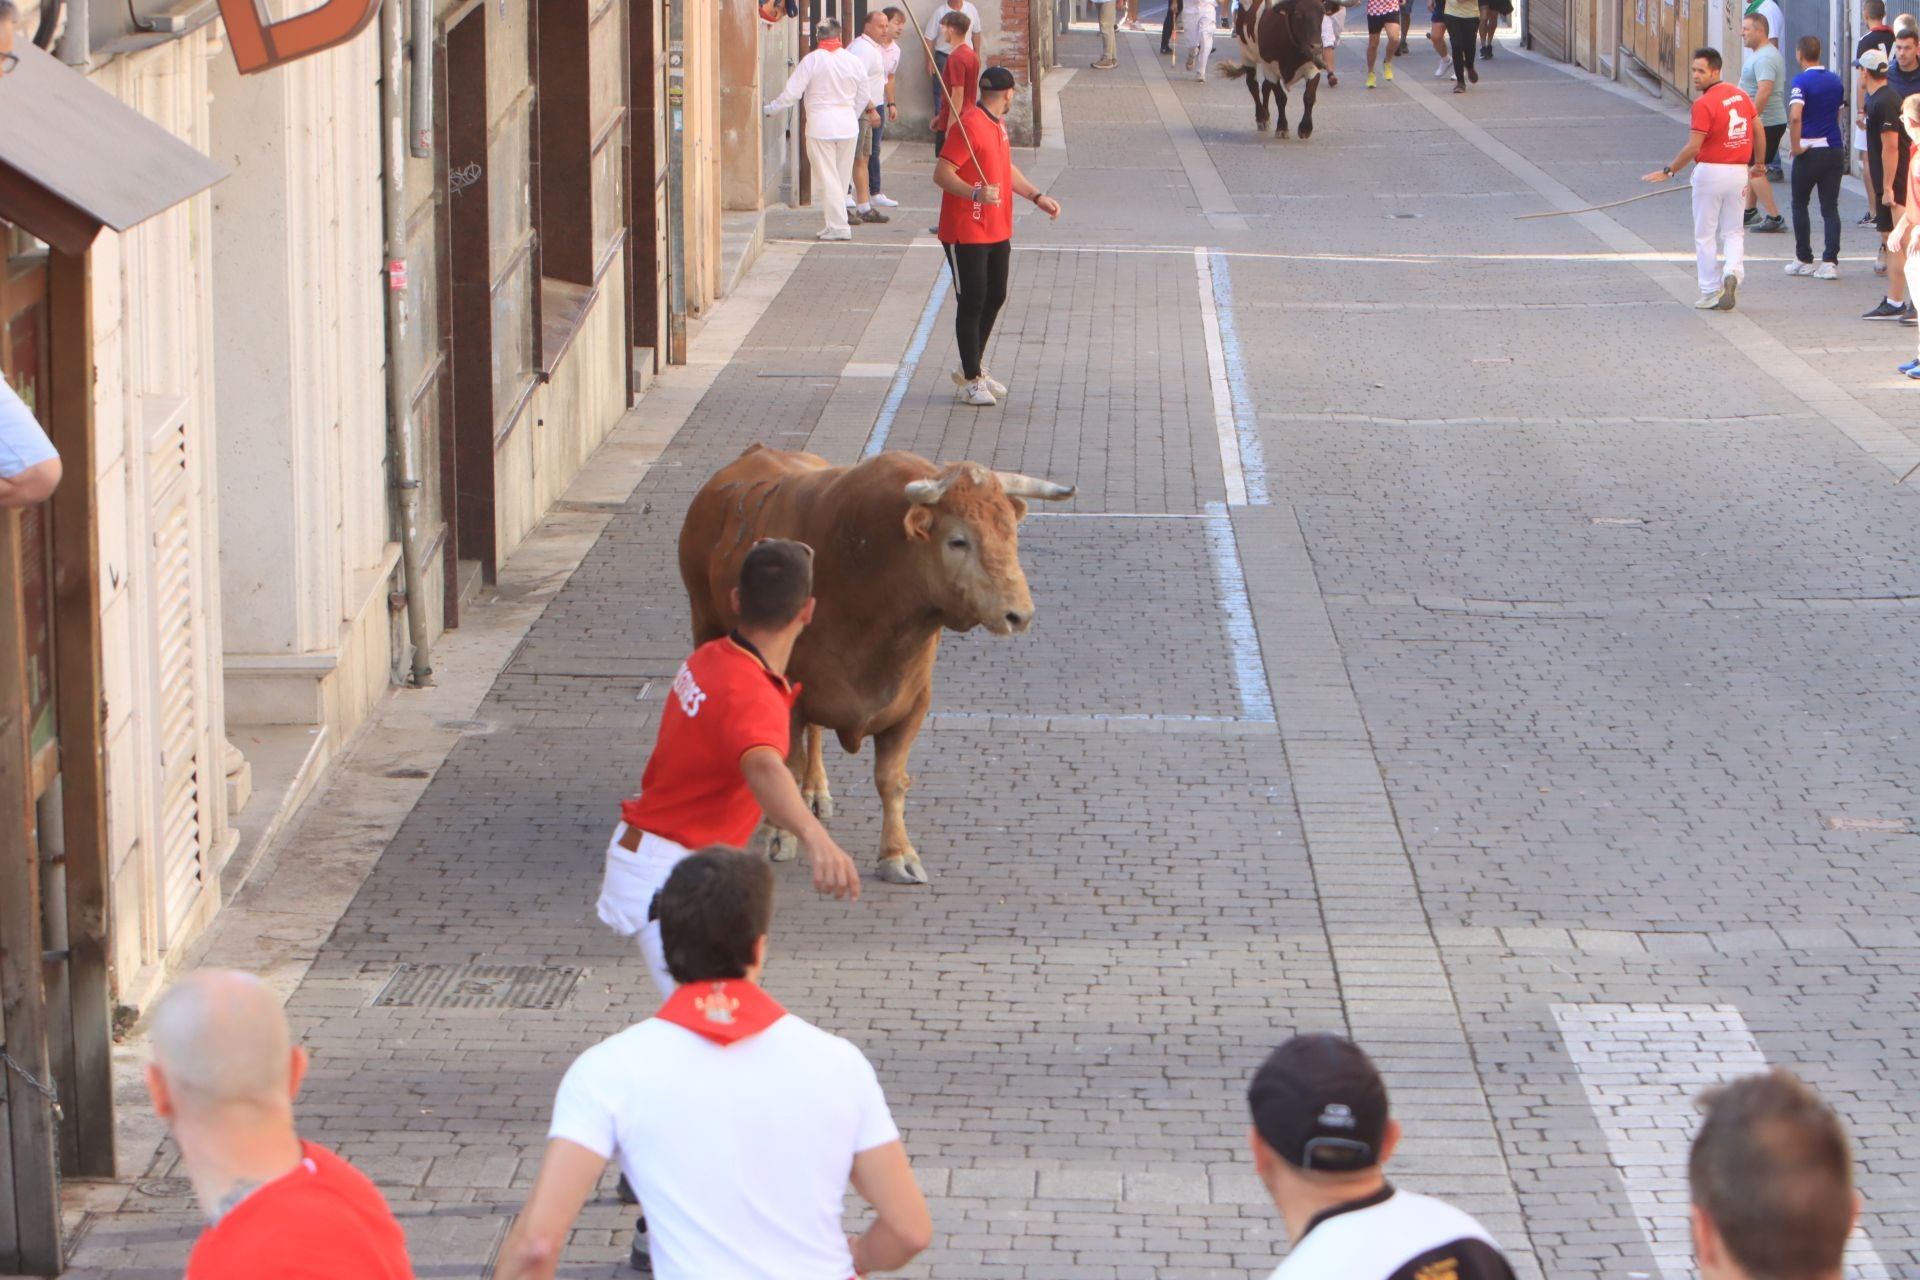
x: 1548, y: 28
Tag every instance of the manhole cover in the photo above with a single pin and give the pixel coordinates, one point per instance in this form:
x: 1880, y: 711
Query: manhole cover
x: 164, y: 1188
x: 477, y: 986
x: 1841, y: 822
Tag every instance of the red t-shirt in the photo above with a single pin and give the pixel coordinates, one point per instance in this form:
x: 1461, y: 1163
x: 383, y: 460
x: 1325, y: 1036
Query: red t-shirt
x: 723, y: 704
x: 961, y: 220
x: 323, y: 1221
x: 1727, y: 117
x: 962, y: 78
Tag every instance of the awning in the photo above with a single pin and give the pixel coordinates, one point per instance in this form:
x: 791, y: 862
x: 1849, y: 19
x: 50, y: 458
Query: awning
x: 74, y: 158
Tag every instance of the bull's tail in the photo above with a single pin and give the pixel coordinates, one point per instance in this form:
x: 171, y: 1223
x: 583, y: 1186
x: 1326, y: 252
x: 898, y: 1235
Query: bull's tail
x: 1236, y: 70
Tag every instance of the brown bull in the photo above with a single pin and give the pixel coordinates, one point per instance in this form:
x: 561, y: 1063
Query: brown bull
x: 1281, y: 46
x: 902, y: 549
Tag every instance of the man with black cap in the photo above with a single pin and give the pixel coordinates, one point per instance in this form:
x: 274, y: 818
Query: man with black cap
x: 1321, y: 1138
x: 976, y: 175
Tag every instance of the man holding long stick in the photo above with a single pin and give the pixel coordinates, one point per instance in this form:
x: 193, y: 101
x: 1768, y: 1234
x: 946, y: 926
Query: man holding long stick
x: 976, y: 174
x: 1728, y: 146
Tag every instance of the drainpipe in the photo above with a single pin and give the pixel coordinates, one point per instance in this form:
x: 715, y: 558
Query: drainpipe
x: 403, y: 432
x: 676, y: 183
x: 76, y: 38
x: 420, y: 86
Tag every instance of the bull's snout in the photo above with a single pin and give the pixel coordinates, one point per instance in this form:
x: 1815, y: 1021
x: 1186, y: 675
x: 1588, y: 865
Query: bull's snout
x: 1019, y: 620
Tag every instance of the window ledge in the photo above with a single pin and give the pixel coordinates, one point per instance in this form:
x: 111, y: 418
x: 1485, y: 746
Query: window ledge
x: 563, y: 311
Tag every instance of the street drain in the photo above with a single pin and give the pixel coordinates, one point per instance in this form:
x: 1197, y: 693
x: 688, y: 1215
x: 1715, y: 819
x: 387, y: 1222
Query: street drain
x: 477, y: 986
x: 1620, y: 520
x: 1406, y: 216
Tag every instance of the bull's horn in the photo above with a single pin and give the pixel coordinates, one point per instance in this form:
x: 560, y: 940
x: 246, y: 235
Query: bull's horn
x: 1019, y: 486
x: 927, y: 493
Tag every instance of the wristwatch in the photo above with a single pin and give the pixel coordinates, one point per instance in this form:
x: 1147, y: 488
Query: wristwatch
x: 1667, y: 169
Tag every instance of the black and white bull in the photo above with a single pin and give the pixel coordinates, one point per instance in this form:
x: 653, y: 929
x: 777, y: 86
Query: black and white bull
x: 1280, y: 46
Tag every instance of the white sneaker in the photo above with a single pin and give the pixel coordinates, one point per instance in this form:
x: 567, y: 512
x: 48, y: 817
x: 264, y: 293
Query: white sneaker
x: 1444, y: 70
x: 1201, y: 75
x: 885, y: 202
x: 1708, y: 301
x: 977, y: 394
x: 994, y: 385
x: 1799, y: 268
x: 1826, y: 271
x: 831, y: 234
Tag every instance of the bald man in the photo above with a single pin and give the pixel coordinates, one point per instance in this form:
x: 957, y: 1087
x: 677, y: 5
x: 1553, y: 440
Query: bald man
x: 224, y: 1075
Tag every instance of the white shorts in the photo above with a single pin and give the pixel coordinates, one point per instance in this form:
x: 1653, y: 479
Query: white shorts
x: 632, y: 877
x: 1330, y: 28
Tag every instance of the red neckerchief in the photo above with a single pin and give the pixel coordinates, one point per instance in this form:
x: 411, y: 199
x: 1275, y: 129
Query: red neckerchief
x: 829, y: 45
x: 725, y: 1012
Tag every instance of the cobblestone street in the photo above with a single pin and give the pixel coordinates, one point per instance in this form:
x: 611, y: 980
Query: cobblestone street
x: 1457, y: 641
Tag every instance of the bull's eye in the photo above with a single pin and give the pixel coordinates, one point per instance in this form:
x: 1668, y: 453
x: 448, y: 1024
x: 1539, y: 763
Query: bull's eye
x: 957, y: 542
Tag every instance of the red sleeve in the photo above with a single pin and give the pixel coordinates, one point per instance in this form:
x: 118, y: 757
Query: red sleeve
x: 758, y: 719
x: 955, y: 152
x: 1702, y: 117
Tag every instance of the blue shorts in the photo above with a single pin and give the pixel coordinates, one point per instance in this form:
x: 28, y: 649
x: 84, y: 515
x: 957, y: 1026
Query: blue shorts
x: 1436, y: 11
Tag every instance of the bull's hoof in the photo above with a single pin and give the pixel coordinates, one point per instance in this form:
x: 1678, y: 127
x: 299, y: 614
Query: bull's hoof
x: 821, y: 802
x: 782, y: 846
x: 1261, y: 125
x: 1305, y: 134
x: 903, y: 868
x: 1281, y: 135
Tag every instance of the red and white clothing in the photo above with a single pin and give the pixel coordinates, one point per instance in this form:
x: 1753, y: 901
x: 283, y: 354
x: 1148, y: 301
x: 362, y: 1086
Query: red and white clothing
x: 725, y: 701
x: 961, y: 220
x: 1727, y: 118
x: 1380, y: 8
x: 832, y: 83
x: 739, y: 1141
x: 323, y: 1221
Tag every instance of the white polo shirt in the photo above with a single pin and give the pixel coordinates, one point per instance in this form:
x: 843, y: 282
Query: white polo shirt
x: 937, y: 34
x: 739, y: 1154
x: 1394, y: 1235
x: 874, y: 58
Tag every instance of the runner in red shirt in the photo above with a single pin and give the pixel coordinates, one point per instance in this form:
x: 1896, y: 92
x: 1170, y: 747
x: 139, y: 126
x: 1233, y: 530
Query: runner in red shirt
x: 976, y: 173
x: 721, y: 756
x: 959, y: 79
x: 223, y: 1077
x: 1727, y: 141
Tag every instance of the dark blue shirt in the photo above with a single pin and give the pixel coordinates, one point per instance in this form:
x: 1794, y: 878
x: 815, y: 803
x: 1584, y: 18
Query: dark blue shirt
x: 1819, y: 93
x: 1903, y: 82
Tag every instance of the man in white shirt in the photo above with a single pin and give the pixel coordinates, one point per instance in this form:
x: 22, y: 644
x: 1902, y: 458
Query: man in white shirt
x: 29, y: 467
x: 1321, y: 1138
x: 833, y: 84
x: 942, y: 39
x: 870, y: 46
x: 897, y: 17
x: 738, y: 1124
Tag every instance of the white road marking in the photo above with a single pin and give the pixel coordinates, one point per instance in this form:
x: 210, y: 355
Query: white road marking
x: 1642, y: 1065
x: 1249, y: 670
x: 1224, y: 429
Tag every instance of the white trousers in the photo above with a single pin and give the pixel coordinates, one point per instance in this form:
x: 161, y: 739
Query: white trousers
x: 832, y: 161
x: 632, y: 877
x: 1719, y: 212
x: 1196, y: 30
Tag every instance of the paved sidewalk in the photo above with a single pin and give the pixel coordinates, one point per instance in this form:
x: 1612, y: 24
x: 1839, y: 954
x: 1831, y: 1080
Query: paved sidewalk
x: 1515, y: 722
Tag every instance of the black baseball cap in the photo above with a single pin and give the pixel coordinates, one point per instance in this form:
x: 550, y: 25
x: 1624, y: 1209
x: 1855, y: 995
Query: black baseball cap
x: 995, y: 78
x: 1319, y: 1102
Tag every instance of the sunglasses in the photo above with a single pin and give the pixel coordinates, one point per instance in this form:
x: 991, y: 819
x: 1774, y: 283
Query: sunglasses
x: 8, y: 61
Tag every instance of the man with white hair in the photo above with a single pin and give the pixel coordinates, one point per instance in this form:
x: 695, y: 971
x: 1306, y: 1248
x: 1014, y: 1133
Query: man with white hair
x: 224, y: 1075
x: 833, y: 83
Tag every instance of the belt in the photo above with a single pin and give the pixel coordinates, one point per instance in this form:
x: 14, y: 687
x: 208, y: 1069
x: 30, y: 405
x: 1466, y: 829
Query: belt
x: 630, y: 839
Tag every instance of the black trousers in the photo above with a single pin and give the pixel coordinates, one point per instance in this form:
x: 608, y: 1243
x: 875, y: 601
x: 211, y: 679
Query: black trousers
x: 1817, y: 170
x: 980, y: 289
x: 1463, y: 34
x: 1166, y: 27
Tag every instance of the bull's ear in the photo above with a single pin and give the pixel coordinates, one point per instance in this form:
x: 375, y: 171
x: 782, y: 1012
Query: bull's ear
x: 1019, y: 506
x: 919, y: 523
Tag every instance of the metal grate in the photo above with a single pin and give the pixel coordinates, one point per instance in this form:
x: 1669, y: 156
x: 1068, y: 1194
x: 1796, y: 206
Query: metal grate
x: 478, y: 986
